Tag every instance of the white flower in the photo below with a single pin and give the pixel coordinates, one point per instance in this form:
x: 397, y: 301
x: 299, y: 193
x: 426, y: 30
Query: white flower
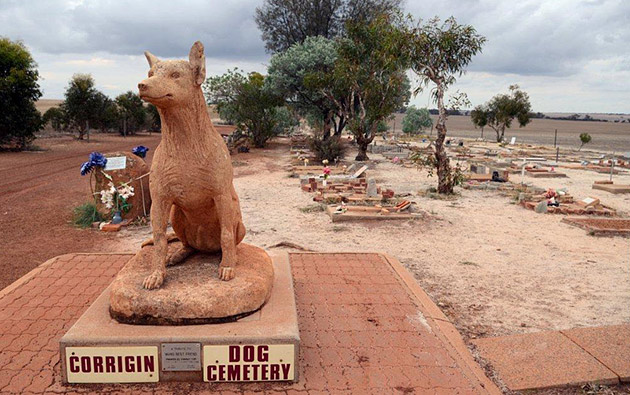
x: 126, y: 191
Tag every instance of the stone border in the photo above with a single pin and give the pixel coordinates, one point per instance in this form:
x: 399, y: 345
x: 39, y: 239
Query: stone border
x: 443, y: 328
x: 595, y: 230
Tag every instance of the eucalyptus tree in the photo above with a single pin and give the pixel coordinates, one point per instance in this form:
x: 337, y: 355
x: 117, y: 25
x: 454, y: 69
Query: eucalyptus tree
x: 502, y: 109
x: 440, y: 52
x: 284, y: 23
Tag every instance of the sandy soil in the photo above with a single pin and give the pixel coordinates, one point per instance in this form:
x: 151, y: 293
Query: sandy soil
x: 494, y: 267
x: 38, y: 191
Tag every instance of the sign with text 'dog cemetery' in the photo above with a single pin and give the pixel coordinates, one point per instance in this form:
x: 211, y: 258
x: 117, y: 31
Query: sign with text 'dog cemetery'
x: 259, y: 362
x: 112, y: 364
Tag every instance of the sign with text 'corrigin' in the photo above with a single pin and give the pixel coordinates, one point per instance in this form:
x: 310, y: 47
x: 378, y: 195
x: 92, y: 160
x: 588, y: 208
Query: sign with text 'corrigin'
x: 259, y: 362
x: 112, y: 364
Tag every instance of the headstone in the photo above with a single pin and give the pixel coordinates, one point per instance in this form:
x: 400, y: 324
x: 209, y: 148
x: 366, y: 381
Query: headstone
x: 358, y: 173
x: 125, y: 167
x: 478, y: 169
x: 513, y: 141
x: 371, y: 188
x: 541, y: 207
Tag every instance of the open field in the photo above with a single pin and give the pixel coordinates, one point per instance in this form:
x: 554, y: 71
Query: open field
x: 607, y: 136
x: 43, y: 105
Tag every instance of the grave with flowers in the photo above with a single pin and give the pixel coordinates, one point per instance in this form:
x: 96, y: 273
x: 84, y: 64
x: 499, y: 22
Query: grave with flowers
x: 119, y: 184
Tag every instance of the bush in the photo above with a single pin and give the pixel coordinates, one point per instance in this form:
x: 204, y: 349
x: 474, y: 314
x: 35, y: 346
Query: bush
x: 331, y: 148
x: 585, y: 138
x: 85, y: 214
x: 416, y: 119
x: 56, y: 117
x: 286, y: 121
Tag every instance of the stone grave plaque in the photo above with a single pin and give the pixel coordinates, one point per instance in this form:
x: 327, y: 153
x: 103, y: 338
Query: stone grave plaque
x: 116, y: 163
x: 181, y: 357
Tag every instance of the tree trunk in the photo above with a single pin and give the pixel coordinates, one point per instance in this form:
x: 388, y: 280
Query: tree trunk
x: 327, y: 122
x: 500, y: 133
x: 340, y: 126
x: 363, y: 143
x: 362, y: 155
x: 445, y: 181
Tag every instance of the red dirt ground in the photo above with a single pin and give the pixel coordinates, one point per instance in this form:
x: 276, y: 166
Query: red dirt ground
x: 38, y: 191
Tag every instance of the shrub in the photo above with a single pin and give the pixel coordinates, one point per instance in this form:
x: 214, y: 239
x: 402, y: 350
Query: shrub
x: 56, y: 117
x: 86, y: 214
x: 585, y: 138
x: 331, y: 148
x: 416, y: 119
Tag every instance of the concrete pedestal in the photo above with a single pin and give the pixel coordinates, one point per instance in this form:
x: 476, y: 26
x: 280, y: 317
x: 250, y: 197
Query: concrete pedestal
x: 261, y: 347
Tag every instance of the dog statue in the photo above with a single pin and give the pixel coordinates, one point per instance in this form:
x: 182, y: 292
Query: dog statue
x: 191, y: 174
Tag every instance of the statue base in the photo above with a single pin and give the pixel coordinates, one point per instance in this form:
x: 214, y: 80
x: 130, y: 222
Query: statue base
x: 261, y: 347
x: 192, y: 292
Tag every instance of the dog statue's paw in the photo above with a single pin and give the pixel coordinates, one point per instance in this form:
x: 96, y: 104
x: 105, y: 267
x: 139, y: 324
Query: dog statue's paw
x: 226, y: 273
x: 154, y: 280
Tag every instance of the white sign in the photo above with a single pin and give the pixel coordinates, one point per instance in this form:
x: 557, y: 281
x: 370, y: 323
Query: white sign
x: 112, y: 364
x: 181, y: 357
x: 116, y: 163
x: 258, y: 362
x: 513, y: 141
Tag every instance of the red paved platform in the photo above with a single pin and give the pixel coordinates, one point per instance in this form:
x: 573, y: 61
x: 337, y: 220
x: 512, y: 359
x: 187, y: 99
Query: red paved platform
x: 366, y: 327
x: 599, y: 355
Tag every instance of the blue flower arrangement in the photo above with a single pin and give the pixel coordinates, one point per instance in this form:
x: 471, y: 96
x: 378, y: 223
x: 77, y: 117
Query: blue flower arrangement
x: 96, y: 159
x: 140, y: 151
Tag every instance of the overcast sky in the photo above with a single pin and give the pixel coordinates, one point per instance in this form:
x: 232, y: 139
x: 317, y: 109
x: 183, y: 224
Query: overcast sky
x: 569, y: 55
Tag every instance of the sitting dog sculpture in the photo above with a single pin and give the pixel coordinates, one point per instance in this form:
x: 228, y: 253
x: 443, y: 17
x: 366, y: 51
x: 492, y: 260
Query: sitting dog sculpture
x: 191, y: 174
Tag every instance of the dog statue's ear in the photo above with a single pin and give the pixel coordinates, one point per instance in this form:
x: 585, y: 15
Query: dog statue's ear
x: 152, y: 59
x: 198, y: 62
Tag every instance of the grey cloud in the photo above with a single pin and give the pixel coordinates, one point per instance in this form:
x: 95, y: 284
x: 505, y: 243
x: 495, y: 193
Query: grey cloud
x: 540, y: 37
x: 167, y: 29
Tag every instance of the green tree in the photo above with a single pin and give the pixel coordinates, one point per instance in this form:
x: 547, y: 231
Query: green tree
x: 479, y: 117
x: 416, y: 119
x: 83, y: 103
x: 370, y: 69
x: 284, y: 23
x: 440, y: 53
x: 131, y: 112
x: 56, y: 117
x: 286, y: 121
x: 246, y: 102
x: 585, y: 138
x: 502, y: 109
x: 290, y: 75
x: 19, y: 90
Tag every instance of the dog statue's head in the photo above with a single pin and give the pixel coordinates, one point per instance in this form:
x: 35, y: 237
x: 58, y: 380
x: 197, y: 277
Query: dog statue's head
x: 174, y: 83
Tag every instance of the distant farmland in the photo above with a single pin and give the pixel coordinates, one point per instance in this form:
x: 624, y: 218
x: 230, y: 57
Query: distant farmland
x: 607, y: 136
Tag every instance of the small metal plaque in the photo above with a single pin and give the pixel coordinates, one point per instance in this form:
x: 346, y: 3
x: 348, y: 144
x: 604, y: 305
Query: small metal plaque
x: 116, y: 163
x: 177, y: 357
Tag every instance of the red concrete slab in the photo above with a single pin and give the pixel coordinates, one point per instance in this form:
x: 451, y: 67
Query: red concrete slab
x: 542, y: 360
x: 609, y: 344
x: 362, y: 325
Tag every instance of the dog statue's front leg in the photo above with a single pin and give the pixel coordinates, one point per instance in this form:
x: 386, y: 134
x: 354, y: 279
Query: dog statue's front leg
x: 228, y: 222
x: 160, y: 211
